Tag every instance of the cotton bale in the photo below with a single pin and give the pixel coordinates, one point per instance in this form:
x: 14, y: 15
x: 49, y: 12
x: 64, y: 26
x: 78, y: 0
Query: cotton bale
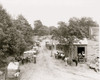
x: 12, y: 68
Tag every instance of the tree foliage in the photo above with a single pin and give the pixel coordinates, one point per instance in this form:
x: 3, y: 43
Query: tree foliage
x: 40, y: 29
x: 5, y: 19
x: 83, y: 23
x: 44, y: 30
x: 52, y: 29
x: 24, y: 28
x: 15, y: 34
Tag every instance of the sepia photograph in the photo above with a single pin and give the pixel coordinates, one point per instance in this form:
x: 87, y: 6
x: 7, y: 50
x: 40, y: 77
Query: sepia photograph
x: 49, y: 40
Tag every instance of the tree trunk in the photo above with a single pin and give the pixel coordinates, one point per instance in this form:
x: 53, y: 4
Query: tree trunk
x: 70, y: 53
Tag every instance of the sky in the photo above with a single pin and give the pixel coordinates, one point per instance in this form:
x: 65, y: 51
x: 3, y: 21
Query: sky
x: 50, y: 12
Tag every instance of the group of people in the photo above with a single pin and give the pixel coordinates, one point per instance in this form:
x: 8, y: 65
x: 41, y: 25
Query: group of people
x: 61, y: 55
x: 81, y: 56
x: 23, y: 60
x: 95, y: 64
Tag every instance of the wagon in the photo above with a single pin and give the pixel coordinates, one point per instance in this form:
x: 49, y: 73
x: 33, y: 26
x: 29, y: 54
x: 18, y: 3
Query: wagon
x: 28, y: 56
x: 36, y: 49
x: 60, y: 54
x: 12, y: 71
x: 38, y: 43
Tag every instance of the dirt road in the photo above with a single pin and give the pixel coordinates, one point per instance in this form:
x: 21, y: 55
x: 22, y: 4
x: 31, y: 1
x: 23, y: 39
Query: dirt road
x: 49, y: 68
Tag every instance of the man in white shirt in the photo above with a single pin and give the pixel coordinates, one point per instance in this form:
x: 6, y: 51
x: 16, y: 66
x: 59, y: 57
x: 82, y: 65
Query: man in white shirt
x: 66, y: 61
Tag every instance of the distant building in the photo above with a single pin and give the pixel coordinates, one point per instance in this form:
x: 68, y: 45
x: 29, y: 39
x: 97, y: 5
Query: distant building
x: 94, y: 33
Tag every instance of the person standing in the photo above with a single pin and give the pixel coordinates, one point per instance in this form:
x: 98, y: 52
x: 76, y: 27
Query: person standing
x: 79, y: 57
x: 34, y: 56
x: 76, y: 61
x: 66, y: 61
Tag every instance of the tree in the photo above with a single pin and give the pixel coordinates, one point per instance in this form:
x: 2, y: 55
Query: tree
x: 5, y: 23
x: 5, y: 19
x: 87, y: 21
x: 15, y: 34
x: 37, y: 24
x: 15, y: 42
x: 24, y: 28
x: 43, y: 31
x: 40, y: 29
x: 83, y: 23
x: 62, y: 28
x: 51, y: 29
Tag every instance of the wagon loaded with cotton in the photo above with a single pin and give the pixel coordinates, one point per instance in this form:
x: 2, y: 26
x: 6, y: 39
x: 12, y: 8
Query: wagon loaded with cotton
x: 12, y: 71
x: 36, y: 49
x: 28, y: 56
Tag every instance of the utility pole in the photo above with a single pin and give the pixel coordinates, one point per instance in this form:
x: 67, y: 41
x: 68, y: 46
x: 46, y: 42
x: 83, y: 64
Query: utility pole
x: 51, y: 47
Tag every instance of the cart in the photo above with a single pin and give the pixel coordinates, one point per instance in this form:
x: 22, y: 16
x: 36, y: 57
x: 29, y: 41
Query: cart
x: 28, y: 56
x: 12, y: 71
x: 60, y: 55
x: 35, y: 48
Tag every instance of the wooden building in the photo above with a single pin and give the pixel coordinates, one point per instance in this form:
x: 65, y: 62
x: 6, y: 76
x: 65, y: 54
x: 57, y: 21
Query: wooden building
x: 79, y: 48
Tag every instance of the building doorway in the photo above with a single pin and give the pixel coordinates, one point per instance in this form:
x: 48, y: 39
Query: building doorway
x: 81, y: 54
x: 80, y: 49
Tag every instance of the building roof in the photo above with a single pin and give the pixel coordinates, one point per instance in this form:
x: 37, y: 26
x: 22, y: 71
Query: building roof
x: 30, y: 52
x: 78, y: 42
x: 81, y: 42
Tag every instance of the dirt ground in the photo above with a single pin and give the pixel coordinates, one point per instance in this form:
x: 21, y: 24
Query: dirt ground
x: 49, y: 68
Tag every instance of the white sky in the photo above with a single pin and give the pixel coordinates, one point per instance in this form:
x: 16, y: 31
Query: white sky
x: 52, y: 11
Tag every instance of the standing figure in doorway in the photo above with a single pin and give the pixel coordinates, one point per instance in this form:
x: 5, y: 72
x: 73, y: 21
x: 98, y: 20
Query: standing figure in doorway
x: 79, y: 56
x: 83, y: 53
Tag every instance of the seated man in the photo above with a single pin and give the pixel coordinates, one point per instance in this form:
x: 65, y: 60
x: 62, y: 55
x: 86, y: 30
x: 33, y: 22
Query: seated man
x: 80, y: 57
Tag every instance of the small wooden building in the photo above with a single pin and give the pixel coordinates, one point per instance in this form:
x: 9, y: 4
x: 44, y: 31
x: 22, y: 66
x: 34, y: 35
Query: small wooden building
x: 79, y: 48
